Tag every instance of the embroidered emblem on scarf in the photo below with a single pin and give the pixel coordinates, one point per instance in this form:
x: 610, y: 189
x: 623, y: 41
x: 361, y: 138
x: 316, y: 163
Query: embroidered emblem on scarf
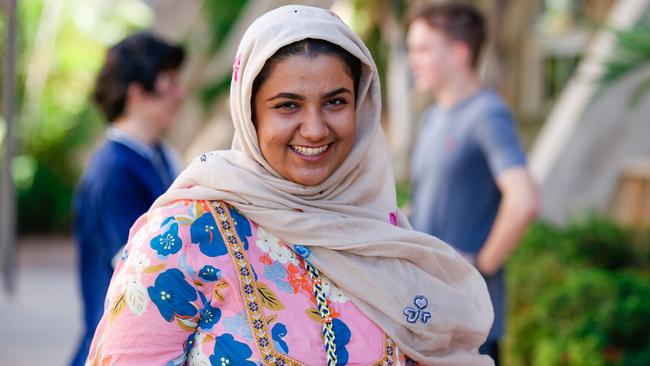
x: 419, y: 312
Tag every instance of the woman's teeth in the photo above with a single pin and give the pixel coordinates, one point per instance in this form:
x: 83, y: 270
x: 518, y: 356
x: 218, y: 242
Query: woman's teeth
x: 309, y: 151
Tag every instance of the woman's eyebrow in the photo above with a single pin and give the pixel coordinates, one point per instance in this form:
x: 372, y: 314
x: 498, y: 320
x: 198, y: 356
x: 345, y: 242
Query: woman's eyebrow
x: 300, y: 97
x: 336, y: 92
x: 287, y: 95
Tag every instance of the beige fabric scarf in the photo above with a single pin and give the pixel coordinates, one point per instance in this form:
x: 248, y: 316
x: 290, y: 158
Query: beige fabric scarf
x: 391, y: 273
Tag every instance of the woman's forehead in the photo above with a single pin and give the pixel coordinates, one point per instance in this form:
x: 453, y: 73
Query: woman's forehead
x: 304, y: 65
x: 299, y: 72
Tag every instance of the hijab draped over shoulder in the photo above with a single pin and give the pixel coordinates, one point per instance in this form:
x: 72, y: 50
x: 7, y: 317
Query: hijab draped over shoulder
x: 423, y: 295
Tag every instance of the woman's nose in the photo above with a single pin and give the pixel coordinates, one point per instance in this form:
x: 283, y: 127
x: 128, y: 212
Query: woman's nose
x: 314, y: 125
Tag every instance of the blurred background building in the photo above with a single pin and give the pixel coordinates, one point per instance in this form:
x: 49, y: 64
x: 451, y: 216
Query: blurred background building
x: 575, y: 72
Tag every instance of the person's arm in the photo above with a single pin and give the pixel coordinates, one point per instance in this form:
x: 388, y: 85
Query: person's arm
x: 158, y: 295
x: 121, y: 202
x: 519, y: 206
x: 519, y: 203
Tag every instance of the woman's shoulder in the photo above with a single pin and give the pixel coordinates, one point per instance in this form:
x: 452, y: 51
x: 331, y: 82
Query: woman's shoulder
x: 174, y: 276
x: 195, y: 229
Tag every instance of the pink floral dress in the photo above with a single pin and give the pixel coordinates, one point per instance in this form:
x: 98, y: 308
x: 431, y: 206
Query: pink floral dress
x: 199, y: 284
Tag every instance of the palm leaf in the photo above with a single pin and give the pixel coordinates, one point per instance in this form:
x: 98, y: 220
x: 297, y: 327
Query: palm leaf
x: 632, y: 55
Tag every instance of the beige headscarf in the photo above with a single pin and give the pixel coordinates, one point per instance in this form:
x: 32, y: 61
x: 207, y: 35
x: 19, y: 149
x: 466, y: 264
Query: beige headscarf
x: 391, y: 273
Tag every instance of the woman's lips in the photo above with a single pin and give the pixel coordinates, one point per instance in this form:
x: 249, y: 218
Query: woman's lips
x: 311, y: 153
x: 308, y: 150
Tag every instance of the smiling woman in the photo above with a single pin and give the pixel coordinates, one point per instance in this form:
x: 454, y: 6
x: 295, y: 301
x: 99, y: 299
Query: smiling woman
x: 304, y: 110
x: 289, y: 247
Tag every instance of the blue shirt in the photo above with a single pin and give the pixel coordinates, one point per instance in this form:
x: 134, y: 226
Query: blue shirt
x: 122, y: 180
x: 456, y: 161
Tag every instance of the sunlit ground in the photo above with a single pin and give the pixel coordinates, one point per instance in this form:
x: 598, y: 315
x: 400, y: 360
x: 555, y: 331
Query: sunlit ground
x: 41, y: 322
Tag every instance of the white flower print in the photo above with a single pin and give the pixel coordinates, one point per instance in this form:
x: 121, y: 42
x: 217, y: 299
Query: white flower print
x: 266, y: 241
x: 196, y: 355
x: 336, y: 295
x: 135, y: 294
x: 332, y: 292
x: 117, y: 285
x: 277, y: 250
x: 138, y: 261
x: 283, y: 255
x: 142, y: 236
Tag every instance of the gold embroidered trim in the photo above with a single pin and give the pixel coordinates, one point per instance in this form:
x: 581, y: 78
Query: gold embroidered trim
x: 391, y: 354
x: 254, y: 314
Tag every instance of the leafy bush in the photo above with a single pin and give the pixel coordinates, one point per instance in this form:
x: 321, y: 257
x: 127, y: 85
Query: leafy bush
x: 56, y: 124
x: 580, y: 296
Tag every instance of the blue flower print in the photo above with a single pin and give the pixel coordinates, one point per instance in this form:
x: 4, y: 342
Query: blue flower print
x: 242, y: 226
x: 209, y: 317
x: 227, y: 351
x: 210, y: 273
x: 238, y: 325
x: 204, y: 232
x: 189, y: 343
x: 184, y: 266
x: 342, y: 336
x: 277, y: 333
x: 187, y: 346
x: 302, y: 250
x: 277, y: 273
x: 168, y: 242
x: 173, y: 295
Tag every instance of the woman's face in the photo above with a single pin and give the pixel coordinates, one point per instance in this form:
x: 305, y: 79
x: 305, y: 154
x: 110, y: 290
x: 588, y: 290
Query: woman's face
x: 305, y: 117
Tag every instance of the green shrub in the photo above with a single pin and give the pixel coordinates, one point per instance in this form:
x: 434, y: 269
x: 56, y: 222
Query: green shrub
x: 579, y: 296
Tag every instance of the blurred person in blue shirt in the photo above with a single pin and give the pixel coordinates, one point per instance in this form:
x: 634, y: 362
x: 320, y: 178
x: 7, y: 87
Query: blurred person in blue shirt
x: 139, y: 93
x: 470, y: 184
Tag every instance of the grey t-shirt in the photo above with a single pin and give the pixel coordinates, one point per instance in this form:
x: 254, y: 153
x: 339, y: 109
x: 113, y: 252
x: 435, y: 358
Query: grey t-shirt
x: 457, y: 158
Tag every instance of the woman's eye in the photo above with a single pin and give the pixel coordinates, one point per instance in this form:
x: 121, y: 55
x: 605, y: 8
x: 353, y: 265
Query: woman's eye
x: 336, y: 102
x: 286, y: 105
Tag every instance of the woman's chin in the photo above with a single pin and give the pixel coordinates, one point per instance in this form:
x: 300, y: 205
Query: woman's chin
x: 309, y: 179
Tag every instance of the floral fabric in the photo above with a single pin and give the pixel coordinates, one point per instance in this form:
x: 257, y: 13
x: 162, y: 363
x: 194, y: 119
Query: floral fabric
x: 199, y: 284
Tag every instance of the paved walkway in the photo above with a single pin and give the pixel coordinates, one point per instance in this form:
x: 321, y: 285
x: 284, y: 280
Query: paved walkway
x: 41, y: 322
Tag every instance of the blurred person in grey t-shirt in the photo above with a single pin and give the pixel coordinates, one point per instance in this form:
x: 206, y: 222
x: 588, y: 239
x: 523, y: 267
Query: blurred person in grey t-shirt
x: 470, y: 184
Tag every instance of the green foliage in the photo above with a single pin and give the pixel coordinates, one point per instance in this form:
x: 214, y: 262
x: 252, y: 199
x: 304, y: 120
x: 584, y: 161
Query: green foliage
x: 379, y: 50
x: 403, y: 193
x: 44, y: 205
x: 56, y: 123
x: 632, y: 55
x: 580, y: 296
x: 211, y: 92
x: 221, y: 16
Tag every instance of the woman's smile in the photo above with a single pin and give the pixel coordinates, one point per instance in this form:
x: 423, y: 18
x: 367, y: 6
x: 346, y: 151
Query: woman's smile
x: 309, y: 151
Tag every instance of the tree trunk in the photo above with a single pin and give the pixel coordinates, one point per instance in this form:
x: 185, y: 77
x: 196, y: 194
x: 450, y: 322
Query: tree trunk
x: 7, y: 189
